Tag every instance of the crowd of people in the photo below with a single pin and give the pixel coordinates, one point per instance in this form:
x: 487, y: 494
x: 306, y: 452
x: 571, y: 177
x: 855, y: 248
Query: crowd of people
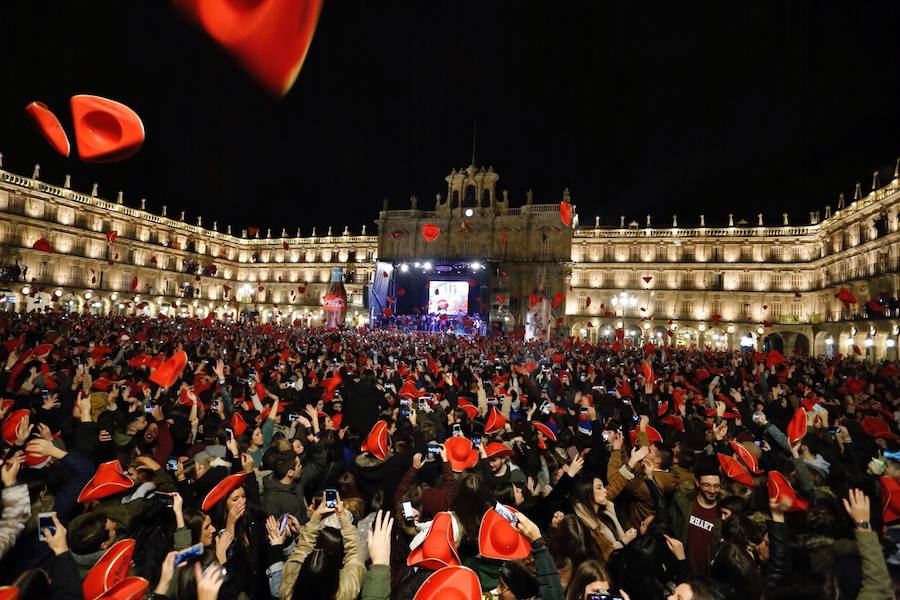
x: 183, y: 459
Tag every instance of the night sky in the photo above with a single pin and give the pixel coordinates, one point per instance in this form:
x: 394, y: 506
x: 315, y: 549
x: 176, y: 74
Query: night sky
x: 636, y: 107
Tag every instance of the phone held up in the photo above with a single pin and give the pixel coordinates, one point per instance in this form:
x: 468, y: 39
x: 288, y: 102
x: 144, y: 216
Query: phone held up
x: 331, y: 498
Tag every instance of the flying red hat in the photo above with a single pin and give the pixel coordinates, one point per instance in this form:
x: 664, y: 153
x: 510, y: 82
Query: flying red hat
x: 796, y: 429
x: 170, y: 370
x: 337, y: 419
x: 238, y: 424
x: 495, y: 421
x: 109, y: 570
x: 109, y: 479
x: 746, y: 457
x: 498, y: 539
x: 876, y: 428
x: 430, y: 232
x: 438, y: 548
x: 663, y: 408
x: 11, y: 422
x: 377, y: 441
x: 652, y: 435
x: 450, y: 583
x: 497, y: 450
x: 222, y: 490
x: 565, y: 213
x: 780, y: 490
x: 460, y: 454
x: 734, y: 470
x: 105, y: 130
x: 49, y: 127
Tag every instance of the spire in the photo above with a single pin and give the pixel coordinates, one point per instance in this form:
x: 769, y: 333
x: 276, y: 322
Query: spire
x: 731, y: 219
x: 857, y: 193
x: 164, y: 210
x: 94, y: 190
x: 229, y: 230
x: 674, y: 220
x: 759, y: 219
x: 896, y: 168
x: 284, y: 232
x: 120, y: 197
x: 876, y: 182
x: 215, y: 225
x: 68, y: 181
x: 199, y: 221
x: 841, y: 203
x: 36, y: 174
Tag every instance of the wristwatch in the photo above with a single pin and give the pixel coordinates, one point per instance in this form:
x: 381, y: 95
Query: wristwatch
x: 864, y: 525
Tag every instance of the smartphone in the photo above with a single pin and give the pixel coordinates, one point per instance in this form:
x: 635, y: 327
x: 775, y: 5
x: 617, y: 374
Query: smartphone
x: 45, y: 521
x: 283, y: 523
x: 404, y: 412
x: 229, y: 435
x: 189, y: 554
x: 833, y: 430
x: 292, y: 417
x: 434, y: 450
x: 389, y: 386
x: 172, y: 464
x: 45, y: 394
x: 626, y: 401
x: 476, y: 441
x: 405, y: 402
x: 215, y: 405
x: 408, y: 513
x: 546, y: 407
x: 506, y: 514
x: 584, y: 411
x: 457, y: 430
x: 422, y: 404
x: 756, y: 417
x: 604, y: 596
x: 758, y: 443
x: 148, y: 408
x: 331, y: 498
x: 636, y: 418
x: 492, y: 402
x: 123, y: 388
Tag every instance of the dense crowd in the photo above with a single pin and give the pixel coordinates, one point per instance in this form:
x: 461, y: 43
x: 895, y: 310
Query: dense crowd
x: 183, y: 459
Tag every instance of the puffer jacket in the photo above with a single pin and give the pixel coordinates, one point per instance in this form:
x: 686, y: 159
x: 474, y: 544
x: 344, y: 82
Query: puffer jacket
x: 16, y: 512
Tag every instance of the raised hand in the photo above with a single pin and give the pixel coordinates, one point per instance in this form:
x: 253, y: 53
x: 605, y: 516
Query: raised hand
x: 10, y: 470
x: 380, y: 539
x: 676, y: 547
x: 208, y: 581
x: 857, y: 505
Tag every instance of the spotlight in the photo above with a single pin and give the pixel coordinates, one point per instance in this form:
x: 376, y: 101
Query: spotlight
x: 404, y: 268
x: 426, y: 266
x: 469, y: 212
x: 475, y: 266
x: 417, y: 264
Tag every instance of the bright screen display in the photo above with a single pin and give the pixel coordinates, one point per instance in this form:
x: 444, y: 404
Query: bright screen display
x: 448, y: 297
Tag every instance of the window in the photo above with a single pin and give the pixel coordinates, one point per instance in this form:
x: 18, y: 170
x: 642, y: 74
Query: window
x: 796, y: 282
x: 74, y: 275
x: 746, y: 281
x: 44, y: 271
x: 777, y: 281
x: 583, y: 303
x: 775, y: 309
x: 746, y: 311
x: 796, y: 310
x: 717, y: 307
x: 687, y: 308
x: 777, y: 254
x: 125, y: 282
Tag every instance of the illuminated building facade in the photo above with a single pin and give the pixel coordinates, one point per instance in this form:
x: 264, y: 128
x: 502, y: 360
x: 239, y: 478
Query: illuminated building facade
x: 748, y: 283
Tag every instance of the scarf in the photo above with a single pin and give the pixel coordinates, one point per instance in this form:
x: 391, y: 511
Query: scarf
x: 588, y: 518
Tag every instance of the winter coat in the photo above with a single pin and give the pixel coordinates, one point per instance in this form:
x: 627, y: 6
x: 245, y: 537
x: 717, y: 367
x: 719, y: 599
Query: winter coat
x: 279, y: 498
x: 16, y: 512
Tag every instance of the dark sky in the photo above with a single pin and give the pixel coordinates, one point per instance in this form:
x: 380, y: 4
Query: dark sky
x: 637, y: 107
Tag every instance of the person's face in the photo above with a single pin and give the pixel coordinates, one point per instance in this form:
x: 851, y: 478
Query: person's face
x: 599, y: 492
x: 726, y: 514
x: 710, y: 486
x: 151, y: 432
x: 496, y: 465
x: 139, y: 424
x: 682, y: 592
x: 237, y: 500
x: 762, y: 550
x: 207, y: 531
x: 518, y: 495
x: 111, y: 530
x: 297, y: 446
x: 298, y: 469
x: 257, y: 437
x: 596, y: 587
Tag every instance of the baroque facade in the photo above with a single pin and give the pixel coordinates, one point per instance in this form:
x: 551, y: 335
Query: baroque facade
x: 747, y: 283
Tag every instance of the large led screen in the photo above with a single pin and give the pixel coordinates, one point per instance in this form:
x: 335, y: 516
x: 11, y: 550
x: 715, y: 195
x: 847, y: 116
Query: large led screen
x: 448, y: 297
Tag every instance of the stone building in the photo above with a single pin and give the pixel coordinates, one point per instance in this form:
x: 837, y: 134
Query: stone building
x: 751, y: 282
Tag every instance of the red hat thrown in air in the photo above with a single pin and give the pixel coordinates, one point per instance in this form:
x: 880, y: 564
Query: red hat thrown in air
x: 796, y: 429
x: 450, y: 583
x: 495, y: 421
x: 110, y: 479
x: 877, y: 428
x: 780, y: 490
x: 734, y: 470
x: 222, y: 489
x: 497, y: 538
x: 11, y: 423
x: 9, y: 592
x: 652, y: 435
x: 438, y: 549
x: 170, y: 370
x: 746, y: 457
x: 377, y: 441
x: 461, y: 454
x: 109, y: 570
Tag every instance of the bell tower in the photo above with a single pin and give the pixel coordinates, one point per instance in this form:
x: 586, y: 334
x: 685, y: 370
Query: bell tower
x: 472, y: 187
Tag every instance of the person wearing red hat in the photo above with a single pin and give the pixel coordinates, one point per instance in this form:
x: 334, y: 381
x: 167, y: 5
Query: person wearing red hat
x: 377, y: 467
x: 498, y: 467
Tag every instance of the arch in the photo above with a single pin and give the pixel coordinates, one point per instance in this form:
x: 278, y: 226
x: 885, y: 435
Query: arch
x: 470, y: 195
x: 801, y: 344
x: 824, y: 344
x: 773, y: 341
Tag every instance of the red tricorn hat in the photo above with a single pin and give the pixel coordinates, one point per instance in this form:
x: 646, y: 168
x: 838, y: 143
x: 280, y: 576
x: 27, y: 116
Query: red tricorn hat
x: 130, y: 588
x: 170, y: 370
x: 50, y: 128
x: 450, y: 583
x: 872, y: 426
x: 222, y: 489
x: 238, y: 424
x: 746, y: 457
x: 42, y: 351
x: 430, y: 232
x: 495, y: 421
x: 546, y: 432
x: 497, y: 538
x: 674, y: 421
x: 109, y: 570
x: 780, y: 490
x: 460, y: 454
x: 105, y: 130
x: 377, y: 441
x: 497, y: 450
x: 109, y: 480
x: 438, y: 549
x: 9, y: 592
x: 734, y: 470
x: 408, y: 390
x: 102, y: 383
x: 796, y: 429
x: 11, y: 422
x: 663, y: 408
x: 652, y: 435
